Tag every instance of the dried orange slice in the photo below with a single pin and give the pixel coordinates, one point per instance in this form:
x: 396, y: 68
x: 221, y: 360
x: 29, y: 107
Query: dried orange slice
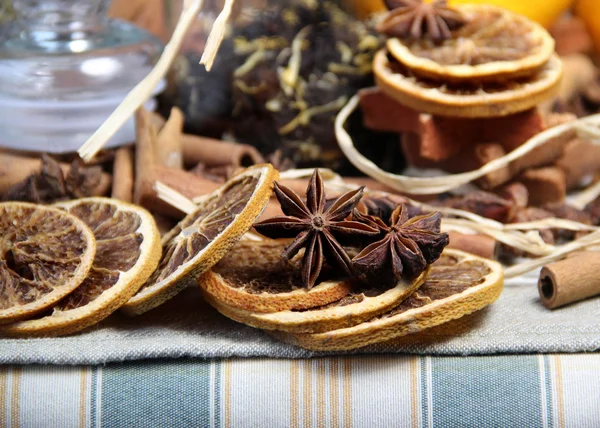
x: 204, y: 236
x: 361, y: 304
x: 495, y: 44
x: 46, y: 253
x: 475, y: 99
x: 458, y: 284
x: 127, y: 252
x: 254, y: 277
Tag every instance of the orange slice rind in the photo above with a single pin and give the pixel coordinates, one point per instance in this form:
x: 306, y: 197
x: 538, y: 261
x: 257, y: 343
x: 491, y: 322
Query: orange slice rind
x: 46, y: 254
x: 128, y: 251
x: 495, y: 44
x: 204, y: 236
x: 458, y: 284
x: 478, y: 99
x: 254, y: 277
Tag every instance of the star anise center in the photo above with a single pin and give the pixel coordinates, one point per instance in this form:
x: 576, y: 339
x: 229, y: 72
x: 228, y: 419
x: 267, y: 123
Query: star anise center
x: 316, y: 226
x: 417, y: 19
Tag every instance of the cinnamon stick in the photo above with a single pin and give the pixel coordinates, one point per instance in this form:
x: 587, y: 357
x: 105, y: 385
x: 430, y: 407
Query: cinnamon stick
x: 122, y: 185
x: 211, y: 152
x: 570, y: 280
x: 168, y: 142
x: 478, y: 244
x: 145, y: 155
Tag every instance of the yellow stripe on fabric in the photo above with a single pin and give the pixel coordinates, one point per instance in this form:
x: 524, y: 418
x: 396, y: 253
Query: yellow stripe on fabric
x: 321, y: 402
x: 334, y: 393
x: 347, y: 390
x: 415, y: 391
x: 3, y: 392
x: 560, y: 398
x: 83, y: 394
x: 15, y: 398
x: 227, y: 393
x: 294, y: 394
x: 307, y: 397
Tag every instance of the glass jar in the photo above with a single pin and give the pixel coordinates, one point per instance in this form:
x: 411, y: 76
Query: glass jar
x: 64, y: 67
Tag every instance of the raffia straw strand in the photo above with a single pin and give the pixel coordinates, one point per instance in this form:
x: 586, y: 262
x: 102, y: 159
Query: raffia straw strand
x: 174, y: 198
x: 586, y: 196
x: 143, y: 90
x: 216, y: 35
x: 586, y: 241
x: 434, y: 185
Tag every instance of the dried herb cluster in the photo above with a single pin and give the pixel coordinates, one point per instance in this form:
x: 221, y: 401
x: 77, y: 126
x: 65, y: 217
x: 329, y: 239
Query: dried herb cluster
x: 393, y: 247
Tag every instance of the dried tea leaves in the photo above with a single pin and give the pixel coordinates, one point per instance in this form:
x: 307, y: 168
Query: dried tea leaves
x: 128, y: 251
x: 46, y: 254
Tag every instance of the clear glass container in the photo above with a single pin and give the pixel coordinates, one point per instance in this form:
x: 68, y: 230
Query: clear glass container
x: 64, y: 67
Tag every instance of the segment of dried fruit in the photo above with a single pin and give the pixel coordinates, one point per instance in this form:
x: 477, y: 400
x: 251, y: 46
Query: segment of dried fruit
x: 127, y: 251
x: 46, y: 254
x: 316, y: 227
x: 405, y: 249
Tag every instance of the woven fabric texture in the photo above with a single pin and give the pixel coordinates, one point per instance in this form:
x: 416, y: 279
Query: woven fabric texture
x: 187, y: 326
x: 521, y: 391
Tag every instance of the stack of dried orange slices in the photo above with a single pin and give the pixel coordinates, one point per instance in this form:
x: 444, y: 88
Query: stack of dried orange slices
x: 254, y: 286
x: 65, y: 268
x: 497, y: 63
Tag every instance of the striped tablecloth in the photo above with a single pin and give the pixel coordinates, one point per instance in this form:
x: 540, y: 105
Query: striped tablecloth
x: 361, y: 391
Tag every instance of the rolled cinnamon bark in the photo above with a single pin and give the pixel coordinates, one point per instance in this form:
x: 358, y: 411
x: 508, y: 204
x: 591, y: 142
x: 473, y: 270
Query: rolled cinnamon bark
x: 213, y: 152
x: 570, y: 280
x: 478, y: 244
x: 122, y: 185
x: 168, y: 141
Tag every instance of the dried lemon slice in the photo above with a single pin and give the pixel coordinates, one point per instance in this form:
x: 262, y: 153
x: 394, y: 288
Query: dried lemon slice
x: 46, y: 254
x: 204, y: 236
x: 359, y: 305
x: 254, y: 277
x: 475, y: 99
x: 458, y: 284
x: 127, y: 252
x: 493, y: 45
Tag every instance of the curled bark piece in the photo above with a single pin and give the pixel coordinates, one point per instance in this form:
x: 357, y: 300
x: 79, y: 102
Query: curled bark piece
x: 211, y: 152
x: 122, y: 186
x: 169, y: 150
x: 570, y: 280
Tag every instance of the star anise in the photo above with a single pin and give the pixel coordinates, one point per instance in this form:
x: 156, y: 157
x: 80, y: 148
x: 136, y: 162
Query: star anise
x: 404, y: 251
x: 417, y: 18
x: 317, y: 228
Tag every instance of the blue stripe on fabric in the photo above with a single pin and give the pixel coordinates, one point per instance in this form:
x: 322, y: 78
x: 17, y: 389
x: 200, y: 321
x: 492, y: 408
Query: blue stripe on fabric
x: 424, y: 394
x: 549, y: 397
x: 93, y: 398
x: 169, y: 394
x: 497, y: 391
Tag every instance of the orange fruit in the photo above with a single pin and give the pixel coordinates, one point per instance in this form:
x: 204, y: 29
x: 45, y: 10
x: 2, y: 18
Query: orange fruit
x: 589, y: 12
x: 205, y: 235
x: 127, y: 252
x: 544, y: 12
x: 458, y: 284
x: 45, y: 254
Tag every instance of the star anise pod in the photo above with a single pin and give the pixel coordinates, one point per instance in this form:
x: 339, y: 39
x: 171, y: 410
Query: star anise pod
x: 317, y: 228
x: 416, y: 19
x: 405, y: 249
